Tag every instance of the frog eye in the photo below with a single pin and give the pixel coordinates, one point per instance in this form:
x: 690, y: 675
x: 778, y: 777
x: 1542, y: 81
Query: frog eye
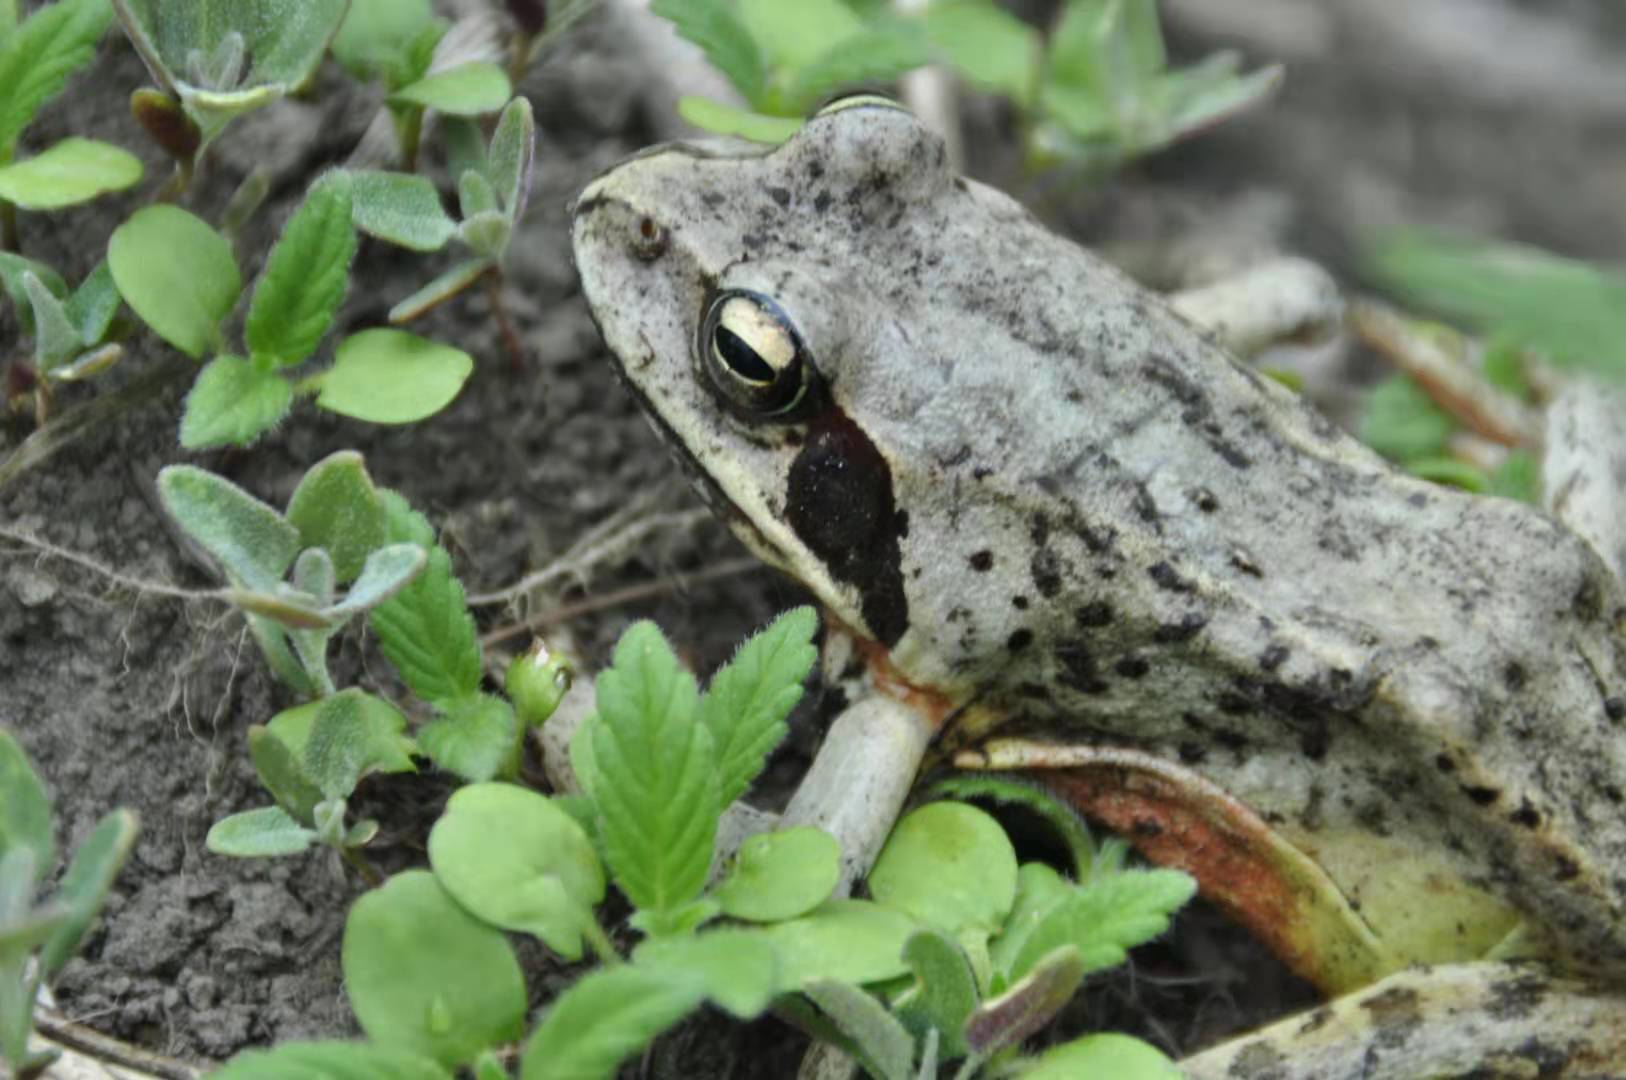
x: 753, y: 354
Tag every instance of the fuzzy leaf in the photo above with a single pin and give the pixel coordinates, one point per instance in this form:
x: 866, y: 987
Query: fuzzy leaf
x: 1122, y: 1057
x: 277, y: 760
x: 256, y: 834
x: 1028, y: 1005
x: 37, y: 58
x: 12, y: 269
x: 250, y: 539
x: 283, y: 39
x: 795, y: 36
x: 475, y: 195
x: 1106, y: 918
x: 882, y: 1040
x: 738, y: 968
x: 427, y: 633
x: 656, y: 787
x: 486, y: 233
x: 25, y: 810
x: 55, y: 337
x: 475, y: 739
x: 353, y: 734
x: 444, y: 286
x: 337, y: 508
x: 944, y: 992
x: 92, y: 306
x: 723, y: 37
x: 96, y: 862
x: 512, y: 154
x: 745, y: 706
x: 852, y: 941
x: 385, y: 573
x: 949, y: 865
x: 376, y: 37
x: 606, y: 1017
x: 177, y: 273
x: 72, y: 171
x: 305, y: 276
x: 330, y: 1061
x: 471, y: 89
x: 393, y: 377
x: 233, y: 402
x: 400, y: 208
x: 780, y: 875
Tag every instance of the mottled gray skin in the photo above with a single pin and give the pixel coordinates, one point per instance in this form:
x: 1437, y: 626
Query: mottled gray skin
x: 1103, y: 528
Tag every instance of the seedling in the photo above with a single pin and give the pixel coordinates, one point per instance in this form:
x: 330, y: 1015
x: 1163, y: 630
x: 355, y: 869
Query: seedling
x: 73, y: 331
x: 36, y: 939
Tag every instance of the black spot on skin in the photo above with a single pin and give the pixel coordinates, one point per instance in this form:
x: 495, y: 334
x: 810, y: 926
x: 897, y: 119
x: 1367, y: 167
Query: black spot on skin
x: 1189, y: 626
x: 1481, y: 796
x: 1132, y: 667
x: 1614, y: 794
x: 839, y: 501
x: 1514, y: 676
x: 1315, y: 739
x: 780, y: 195
x: 982, y: 561
x: 1033, y: 690
x: 1444, y: 763
x: 1525, y: 816
x: 1167, y: 578
x: 821, y: 202
x: 1234, y: 704
x: 1273, y: 657
x: 1039, y: 530
x: 1077, y: 669
x: 1204, y: 500
x: 1094, y: 615
x: 1516, y: 999
x: 1565, y: 869
x: 1417, y: 499
x: 1019, y: 639
x: 1231, y: 740
x: 1020, y: 603
x: 1046, y: 571
x: 1192, y: 753
x: 1396, y: 1016
x: 1587, y: 603
x: 1614, y: 708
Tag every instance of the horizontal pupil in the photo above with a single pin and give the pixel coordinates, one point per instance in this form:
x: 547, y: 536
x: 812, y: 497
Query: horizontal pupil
x: 741, y: 357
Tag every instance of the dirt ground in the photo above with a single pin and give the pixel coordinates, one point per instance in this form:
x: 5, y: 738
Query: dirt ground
x: 1427, y: 113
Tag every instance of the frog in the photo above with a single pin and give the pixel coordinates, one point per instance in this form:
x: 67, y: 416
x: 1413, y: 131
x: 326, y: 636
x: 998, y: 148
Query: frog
x: 1057, y: 527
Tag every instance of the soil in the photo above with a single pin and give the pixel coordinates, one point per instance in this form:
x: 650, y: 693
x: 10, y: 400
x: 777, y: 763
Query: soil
x: 128, y: 697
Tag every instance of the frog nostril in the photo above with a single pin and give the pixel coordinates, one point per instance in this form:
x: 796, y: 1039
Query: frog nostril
x: 650, y: 243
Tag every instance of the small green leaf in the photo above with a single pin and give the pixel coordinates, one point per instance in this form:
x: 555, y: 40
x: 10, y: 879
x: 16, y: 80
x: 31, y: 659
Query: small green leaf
x: 517, y: 861
x: 12, y: 269
x: 445, y: 286
x: 1197, y: 103
x: 1121, y: 1057
x: 1402, y: 422
x: 656, y: 788
x: 88, y: 364
x: 25, y: 810
x: 852, y: 941
x: 96, y: 862
x: 376, y: 37
x: 882, y: 1040
x: 944, y: 992
x: 400, y: 208
x: 878, y: 54
x: 403, y: 523
x: 256, y: 834
x: 305, y: 276
x: 1451, y: 472
x: 314, y: 576
x: 425, y: 976
x: 1518, y: 477
x: 55, y: 338
x: 233, y: 402
x: 177, y: 273
x: 330, y: 1061
x: 72, y: 171
x: 950, y: 866
x: 1028, y: 1005
x: 251, y: 540
x: 277, y: 760
x: 511, y: 156
x: 1009, y: 790
x: 426, y: 631
x: 337, y: 508
x: 475, y: 739
x: 1106, y: 918
x: 94, y: 303
x: 606, y: 1017
x: 475, y: 195
x: 486, y: 233
x: 393, y: 377
x: 795, y: 36
x: 353, y: 734
x: 780, y: 875
x: 745, y: 706
x: 471, y: 89
x: 536, y: 682
x: 990, y: 47
x: 737, y: 968
x: 37, y: 58
x: 1038, y: 890
x: 722, y: 119
x: 723, y: 37
x: 385, y: 573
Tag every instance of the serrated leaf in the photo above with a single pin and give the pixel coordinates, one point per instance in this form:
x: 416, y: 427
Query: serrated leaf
x: 948, y: 865
x: 305, y: 276
x: 944, y: 992
x: 604, y: 1018
x: 656, y: 789
x: 177, y: 273
x: 251, y: 540
x: 1106, y: 918
x: 853, y: 941
x: 25, y: 810
x: 392, y: 377
x: 738, y: 969
x: 1028, y: 1005
x: 445, y: 286
x: 475, y: 738
x: 330, y: 1061
x: 84, y: 887
x: 723, y: 37
x: 424, y: 975
x: 880, y: 53
x: 745, y: 706
x: 353, y: 734
x: 37, y: 58
x: 1039, y: 888
x: 723, y: 119
x: 1122, y: 1057
x: 882, y: 1040
x: 337, y: 508
x: 1402, y: 423
x: 402, y: 523
x: 781, y: 874
x: 426, y: 631
x: 518, y: 861
x: 471, y: 89
x: 990, y: 47
x: 255, y: 834
x: 401, y: 208
x: 72, y: 171
x: 511, y: 157
x: 92, y: 306
x: 233, y: 402
x: 55, y: 338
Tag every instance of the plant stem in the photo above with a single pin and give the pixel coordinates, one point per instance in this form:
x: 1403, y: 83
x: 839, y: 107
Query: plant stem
x: 409, y: 132
x: 361, y: 866
x: 499, y: 311
x: 600, y: 942
x: 8, y: 226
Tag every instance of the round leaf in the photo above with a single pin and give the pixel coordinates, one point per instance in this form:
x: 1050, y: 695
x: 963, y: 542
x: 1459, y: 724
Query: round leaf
x: 72, y: 171
x: 780, y: 875
x: 425, y: 976
x: 336, y: 507
x: 233, y: 401
x: 259, y: 833
x: 393, y: 377
x: 177, y: 273
x: 519, y: 862
x: 949, y: 865
x: 1103, y: 1055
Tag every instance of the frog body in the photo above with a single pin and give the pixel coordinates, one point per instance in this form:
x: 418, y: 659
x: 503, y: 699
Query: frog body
x: 1046, y: 505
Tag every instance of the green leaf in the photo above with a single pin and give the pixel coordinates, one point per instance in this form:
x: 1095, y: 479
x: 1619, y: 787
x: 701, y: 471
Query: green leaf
x: 353, y: 734
x: 1028, y: 1005
x: 1038, y: 890
x: 277, y: 750
x: 797, y: 35
x: 1450, y: 472
x: 393, y: 377
x: 445, y: 286
x: 1106, y: 918
x: 376, y: 38
x: 337, y: 508
x: 251, y: 540
x: 1006, y: 790
x: 745, y: 706
x: 949, y: 865
x: 177, y: 273
x: 471, y: 89
x: 486, y: 233
x: 426, y: 631
x: 55, y: 338
x: 852, y: 941
x: 425, y: 976
x: 513, y: 858
x: 1197, y: 103
x: 656, y: 787
x: 738, y: 969
x: 721, y: 119
x: 96, y: 862
x: 254, y: 834
x: 723, y: 37
x: 402, y: 523
x: 475, y: 195
x: 880, y: 53
x: 944, y: 991
x: 606, y: 1017
x: 512, y: 154
x: 36, y: 60
x: 283, y: 39
x: 385, y: 573
x: 1121, y: 1057
x: 93, y: 304
x: 12, y: 269
x: 305, y: 276
x: 330, y: 1061
x: 882, y: 1040
x: 1518, y: 477
x: 401, y: 208
x: 988, y: 46
x: 1402, y: 422
x: 72, y: 171
x: 475, y: 739
x: 780, y: 875
x: 25, y: 809
x: 233, y: 402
